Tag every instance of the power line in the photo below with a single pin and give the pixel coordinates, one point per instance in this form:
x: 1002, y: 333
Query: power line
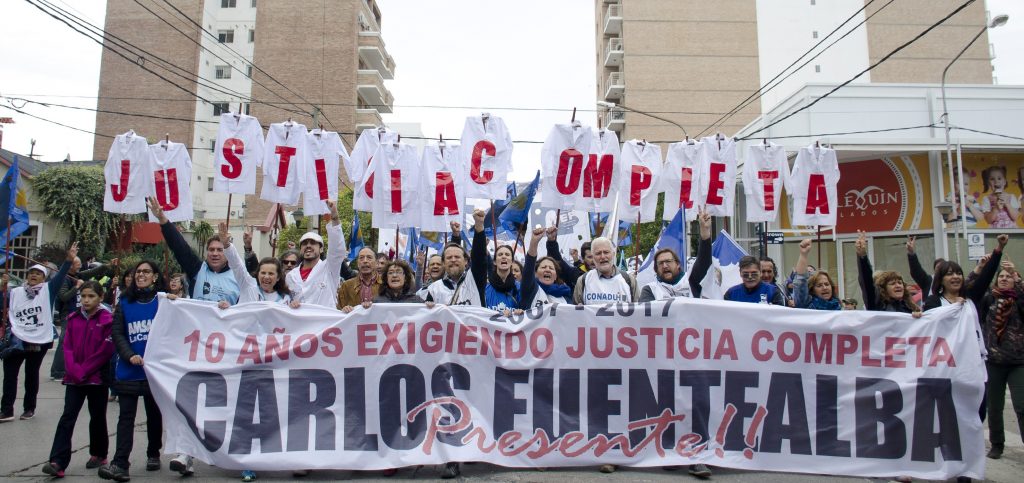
x: 986, y: 132
x: 764, y: 89
x: 253, y: 64
x: 872, y: 66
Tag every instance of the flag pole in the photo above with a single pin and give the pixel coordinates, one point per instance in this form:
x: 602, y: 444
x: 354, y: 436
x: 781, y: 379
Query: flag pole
x: 397, y: 230
x: 494, y: 226
x: 636, y: 246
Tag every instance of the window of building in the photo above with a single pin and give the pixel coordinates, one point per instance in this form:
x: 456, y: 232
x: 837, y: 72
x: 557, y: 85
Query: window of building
x: 812, y: 2
x: 220, y: 108
x: 228, y: 3
x: 252, y: 35
x: 245, y: 108
x: 209, y: 184
x: 817, y: 68
x: 253, y: 3
x: 226, y: 36
x: 213, y: 146
x: 814, y: 34
x: 23, y: 245
x: 223, y: 72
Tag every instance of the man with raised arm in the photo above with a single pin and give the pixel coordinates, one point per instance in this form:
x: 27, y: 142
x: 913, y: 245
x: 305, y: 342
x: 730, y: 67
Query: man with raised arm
x: 315, y: 282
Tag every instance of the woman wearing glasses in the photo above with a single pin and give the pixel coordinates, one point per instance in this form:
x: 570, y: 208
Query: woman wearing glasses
x: 132, y: 320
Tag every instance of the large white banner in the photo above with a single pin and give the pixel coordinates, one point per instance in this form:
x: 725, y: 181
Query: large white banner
x: 264, y: 387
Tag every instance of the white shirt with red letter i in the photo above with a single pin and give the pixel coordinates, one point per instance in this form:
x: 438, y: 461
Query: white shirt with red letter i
x: 320, y: 177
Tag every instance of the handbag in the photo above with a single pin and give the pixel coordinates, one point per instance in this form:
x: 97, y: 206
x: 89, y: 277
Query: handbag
x: 10, y: 344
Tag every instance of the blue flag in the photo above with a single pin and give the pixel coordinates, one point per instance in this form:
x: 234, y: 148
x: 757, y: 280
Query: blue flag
x: 516, y: 214
x: 412, y: 245
x: 355, y: 237
x: 498, y: 209
x: 13, y: 207
x: 725, y: 260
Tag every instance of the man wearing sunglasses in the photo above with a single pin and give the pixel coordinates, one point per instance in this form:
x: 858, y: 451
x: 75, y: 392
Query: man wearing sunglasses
x: 753, y: 289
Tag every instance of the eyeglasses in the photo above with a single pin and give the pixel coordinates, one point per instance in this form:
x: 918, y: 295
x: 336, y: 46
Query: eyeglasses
x: 289, y: 262
x: 399, y: 273
x: 750, y: 275
x: 143, y: 272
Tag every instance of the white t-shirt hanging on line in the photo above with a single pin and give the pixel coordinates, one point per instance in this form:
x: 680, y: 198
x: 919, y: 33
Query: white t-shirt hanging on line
x: 681, y: 179
x: 320, y: 178
x: 642, y: 168
x: 562, y: 161
x: 602, y: 174
x: 442, y: 194
x: 718, y: 175
x: 395, y: 186
x: 361, y: 171
x: 237, y: 153
x: 487, y: 157
x: 126, y: 174
x: 170, y: 170
x: 814, y: 185
x: 284, y: 158
x: 765, y: 173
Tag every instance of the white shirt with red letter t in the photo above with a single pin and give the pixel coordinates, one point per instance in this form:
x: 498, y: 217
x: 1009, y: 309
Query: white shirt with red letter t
x: 765, y: 172
x: 814, y: 185
x: 283, y: 160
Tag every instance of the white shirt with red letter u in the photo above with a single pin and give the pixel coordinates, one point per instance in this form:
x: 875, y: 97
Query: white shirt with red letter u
x: 170, y: 170
x: 284, y: 156
x: 237, y: 153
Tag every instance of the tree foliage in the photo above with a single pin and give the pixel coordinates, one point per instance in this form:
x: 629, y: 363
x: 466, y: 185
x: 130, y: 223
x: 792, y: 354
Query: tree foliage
x: 72, y: 197
x: 202, y: 232
x: 292, y: 233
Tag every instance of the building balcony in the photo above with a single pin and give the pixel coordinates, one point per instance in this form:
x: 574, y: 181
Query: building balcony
x: 616, y: 119
x: 613, y: 52
x: 373, y: 54
x: 370, y: 87
x: 616, y: 86
x: 613, y: 20
x: 367, y: 119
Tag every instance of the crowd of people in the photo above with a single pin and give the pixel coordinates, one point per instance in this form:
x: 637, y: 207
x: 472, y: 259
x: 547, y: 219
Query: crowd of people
x: 104, y: 326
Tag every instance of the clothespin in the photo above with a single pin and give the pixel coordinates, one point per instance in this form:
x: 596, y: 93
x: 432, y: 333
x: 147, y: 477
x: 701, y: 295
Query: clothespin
x: 817, y: 144
x: 688, y: 140
x: 484, y: 116
x: 765, y: 142
x: 440, y: 143
x: 575, y: 124
x: 167, y: 140
x: 287, y: 124
x: 238, y: 115
x: 380, y: 133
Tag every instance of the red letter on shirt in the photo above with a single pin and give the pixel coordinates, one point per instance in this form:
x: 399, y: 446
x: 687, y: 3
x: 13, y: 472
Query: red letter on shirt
x: 817, y: 197
x: 232, y: 149
x: 716, y: 185
x: 570, y: 164
x: 444, y: 195
x: 120, y: 191
x: 321, y: 178
x: 481, y: 148
x: 597, y: 176
x: 639, y: 181
x: 286, y: 153
x: 369, y: 182
x: 685, y: 186
x: 768, y: 180
x: 396, y: 191
x: 163, y: 178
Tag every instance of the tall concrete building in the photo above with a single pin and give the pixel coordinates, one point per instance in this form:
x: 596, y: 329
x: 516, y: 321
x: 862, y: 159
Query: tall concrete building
x: 692, y: 61
x: 277, y: 59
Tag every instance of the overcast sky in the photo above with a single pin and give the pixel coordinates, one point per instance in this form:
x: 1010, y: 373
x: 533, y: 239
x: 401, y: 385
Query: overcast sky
x: 468, y: 55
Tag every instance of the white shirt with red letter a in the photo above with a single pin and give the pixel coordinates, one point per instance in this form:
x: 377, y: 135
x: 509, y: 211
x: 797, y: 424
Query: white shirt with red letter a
x: 126, y: 175
x: 765, y: 172
x: 442, y: 189
x: 562, y: 160
x: 170, y: 171
x: 487, y: 156
x: 237, y: 153
x: 814, y: 184
x: 283, y: 160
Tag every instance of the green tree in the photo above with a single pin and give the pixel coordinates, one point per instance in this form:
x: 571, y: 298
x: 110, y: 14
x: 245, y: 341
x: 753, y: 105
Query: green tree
x: 292, y: 233
x: 202, y: 232
x: 73, y: 197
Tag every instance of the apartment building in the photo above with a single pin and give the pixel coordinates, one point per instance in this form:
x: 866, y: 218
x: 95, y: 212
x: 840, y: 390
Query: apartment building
x: 692, y: 61
x: 315, y: 62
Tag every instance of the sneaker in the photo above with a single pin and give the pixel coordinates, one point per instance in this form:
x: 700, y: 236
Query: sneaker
x: 700, y: 471
x: 95, y: 462
x: 153, y: 463
x: 53, y: 469
x: 995, y: 453
x: 451, y: 470
x: 608, y: 468
x: 114, y: 472
x: 8, y: 417
x: 301, y: 473
x: 248, y: 475
x: 903, y: 479
x: 390, y: 472
x: 27, y: 415
x: 183, y: 464
x: 963, y: 479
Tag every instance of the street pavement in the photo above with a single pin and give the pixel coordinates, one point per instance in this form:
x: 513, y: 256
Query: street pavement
x: 25, y: 446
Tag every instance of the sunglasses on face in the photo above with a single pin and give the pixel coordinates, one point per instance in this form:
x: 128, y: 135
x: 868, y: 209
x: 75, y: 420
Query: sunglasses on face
x: 750, y: 275
x: 289, y: 262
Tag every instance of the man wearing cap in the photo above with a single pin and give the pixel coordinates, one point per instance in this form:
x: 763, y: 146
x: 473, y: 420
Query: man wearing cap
x: 314, y: 282
x: 210, y: 280
x: 31, y: 322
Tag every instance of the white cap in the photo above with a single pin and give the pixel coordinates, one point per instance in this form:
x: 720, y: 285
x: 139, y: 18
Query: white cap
x: 312, y: 235
x: 46, y: 272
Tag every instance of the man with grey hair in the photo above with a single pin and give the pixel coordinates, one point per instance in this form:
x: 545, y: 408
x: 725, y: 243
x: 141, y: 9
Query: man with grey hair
x: 605, y: 283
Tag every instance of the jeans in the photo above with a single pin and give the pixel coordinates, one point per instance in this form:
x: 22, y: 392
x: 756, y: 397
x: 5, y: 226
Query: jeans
x: 999, y: 377
x: 74, y: 398
x: 12, y: 365
x: 129, y: 405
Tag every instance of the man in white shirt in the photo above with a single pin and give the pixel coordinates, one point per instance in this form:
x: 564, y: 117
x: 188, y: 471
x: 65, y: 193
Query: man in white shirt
x: 314, y: 282
x: 605, y: 283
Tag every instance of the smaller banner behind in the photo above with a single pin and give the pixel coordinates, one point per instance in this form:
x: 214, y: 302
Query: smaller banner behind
x: 874, y: 394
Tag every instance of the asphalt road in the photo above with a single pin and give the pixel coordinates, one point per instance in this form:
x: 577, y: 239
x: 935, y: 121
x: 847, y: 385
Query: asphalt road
x: 25, y: 446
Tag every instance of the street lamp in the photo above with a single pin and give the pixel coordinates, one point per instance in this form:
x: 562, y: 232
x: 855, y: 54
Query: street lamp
x: 998, y: 21
x: 298, y: 215
x: 611, y: 105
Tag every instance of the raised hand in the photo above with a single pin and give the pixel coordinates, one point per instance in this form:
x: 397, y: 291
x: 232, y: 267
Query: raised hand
x: 910, y: 244
x: 805, y: 247
x: 73, y: 252
x: 222, y: 231
x: 158, y: 212
x: 1002, y: 240
x: 862, y: 243
x: 478, y: 218
x: 333, y: 215
x: 456, y: 227
x: 704, y: 219
x: 552, y: 233
x: 247, y: 238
